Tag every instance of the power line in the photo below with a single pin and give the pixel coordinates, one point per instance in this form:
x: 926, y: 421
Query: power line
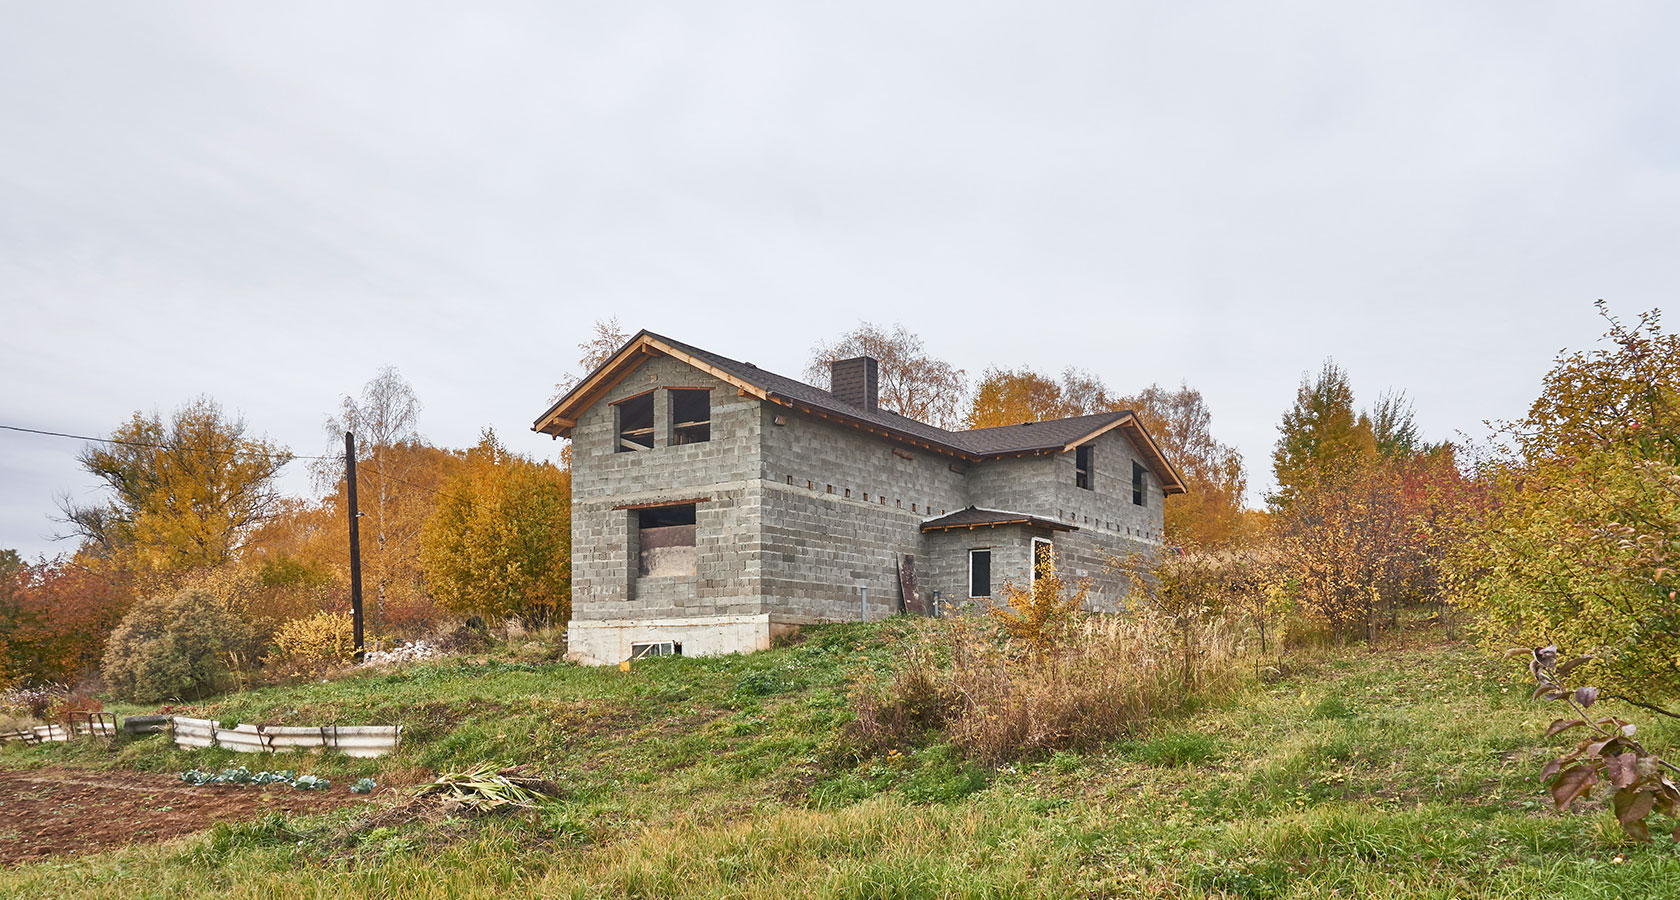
x: 144, y: 444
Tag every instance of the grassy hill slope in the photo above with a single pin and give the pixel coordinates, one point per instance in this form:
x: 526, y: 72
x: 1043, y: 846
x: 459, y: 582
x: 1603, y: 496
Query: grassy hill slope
x: 1397, y: 772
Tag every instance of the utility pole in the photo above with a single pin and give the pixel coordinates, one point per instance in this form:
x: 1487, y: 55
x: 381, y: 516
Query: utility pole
x: 355, y: 546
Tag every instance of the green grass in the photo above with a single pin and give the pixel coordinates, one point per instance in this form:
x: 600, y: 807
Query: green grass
x: 1396, y: 772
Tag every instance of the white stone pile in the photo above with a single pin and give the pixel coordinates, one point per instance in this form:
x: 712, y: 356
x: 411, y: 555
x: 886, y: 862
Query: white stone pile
x: 407, y: 653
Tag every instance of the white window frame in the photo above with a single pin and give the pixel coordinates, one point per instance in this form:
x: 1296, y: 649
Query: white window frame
x: 1032, y: 561
x: 970, y: 588
x: 650, y: 649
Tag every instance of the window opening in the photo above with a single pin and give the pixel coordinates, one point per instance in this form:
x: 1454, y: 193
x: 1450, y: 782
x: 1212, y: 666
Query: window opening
x: 665, y: 541
x: 635, y: 424
x: 1082, y: 466
x: 691, y: 416
x: 1137, y: 484
x: 979, y: 573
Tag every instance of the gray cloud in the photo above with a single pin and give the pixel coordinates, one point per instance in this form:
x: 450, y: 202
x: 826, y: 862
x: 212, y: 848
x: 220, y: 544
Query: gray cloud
x: 266, y: 204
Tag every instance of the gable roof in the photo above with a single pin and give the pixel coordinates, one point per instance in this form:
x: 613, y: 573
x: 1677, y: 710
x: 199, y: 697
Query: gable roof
x: 1055, y: 435
x: 974, y: 517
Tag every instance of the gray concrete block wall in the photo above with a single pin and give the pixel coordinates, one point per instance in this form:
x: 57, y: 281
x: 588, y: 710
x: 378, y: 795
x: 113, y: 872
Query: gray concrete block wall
x: 820, y: 547
x: 948, y: 560
x: 1044, y: 485
x: 773, y: 538
x: 724, y: 469
x: 1079, y: 558
x: 1111, y: 527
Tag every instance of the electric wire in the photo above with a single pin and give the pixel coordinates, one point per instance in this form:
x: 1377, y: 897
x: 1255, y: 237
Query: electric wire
x: 152, y: 446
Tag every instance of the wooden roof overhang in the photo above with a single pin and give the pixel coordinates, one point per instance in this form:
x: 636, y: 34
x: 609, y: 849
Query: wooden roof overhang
x: 562, y: 417
x: 1171, y: 481
x: 1034, y: 521
x: 559, y: 420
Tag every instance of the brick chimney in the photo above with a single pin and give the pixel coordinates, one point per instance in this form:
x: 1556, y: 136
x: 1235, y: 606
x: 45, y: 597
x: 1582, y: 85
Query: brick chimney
x: 856, y: 381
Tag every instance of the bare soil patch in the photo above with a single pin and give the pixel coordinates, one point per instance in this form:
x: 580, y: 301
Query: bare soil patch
x: 57, y: 812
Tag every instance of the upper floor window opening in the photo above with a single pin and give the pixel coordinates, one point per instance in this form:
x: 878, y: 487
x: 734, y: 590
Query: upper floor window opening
x: 635, y: 423
x: 691, y: 415
x: 1082, y: 466
x: 1138, y: 482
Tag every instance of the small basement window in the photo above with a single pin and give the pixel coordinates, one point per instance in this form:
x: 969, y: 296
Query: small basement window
x: 645, y: 649
x: 1138, y: 482
x: 635, y: 423
x: 979, y: 573
x: 691, y: 416
x: 1082, y: 466
x: 665, y: 541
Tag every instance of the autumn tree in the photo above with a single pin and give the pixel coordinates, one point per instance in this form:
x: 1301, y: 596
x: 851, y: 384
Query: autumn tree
x: 607, y: 338
x: 184, y: 494
x: 1364, y: 509
x: 1210, y: 511
x: 1392, y: 424
x: 1579, y: 545
x: 913, y: 383
x: 499, y: 541
x: 394, y: 482
x: 1013, y: 396
x: 55, y: 616
x: 1320, y: 439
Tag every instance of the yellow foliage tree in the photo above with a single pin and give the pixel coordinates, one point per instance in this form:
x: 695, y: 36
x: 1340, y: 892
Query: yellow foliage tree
x: 1210, y: 512
x: 1040, y: 611
x: 185, y: 493
x: 1013, y: 396
x: 324, y: 639
x: 499, y: 541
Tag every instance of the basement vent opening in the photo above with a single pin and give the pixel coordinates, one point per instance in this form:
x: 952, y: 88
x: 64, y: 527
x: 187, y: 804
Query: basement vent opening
x: 646, y: 649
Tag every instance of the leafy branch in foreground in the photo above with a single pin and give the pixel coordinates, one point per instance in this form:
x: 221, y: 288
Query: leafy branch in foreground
x: 485, y: 788
x: 1608, y: 754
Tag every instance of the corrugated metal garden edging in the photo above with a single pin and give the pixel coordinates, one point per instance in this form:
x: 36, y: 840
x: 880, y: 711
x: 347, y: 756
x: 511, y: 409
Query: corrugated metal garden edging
x: 351, y: 740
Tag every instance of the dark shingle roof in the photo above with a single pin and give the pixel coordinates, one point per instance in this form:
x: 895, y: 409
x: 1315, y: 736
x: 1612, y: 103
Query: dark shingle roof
x: 1029, y: 436
x: 979, y: 443
x: 816, y: 397
x: 973, y: 517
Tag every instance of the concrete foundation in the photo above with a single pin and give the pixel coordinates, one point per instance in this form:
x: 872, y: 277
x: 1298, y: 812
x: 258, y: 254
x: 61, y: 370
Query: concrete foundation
x: 603, y: 643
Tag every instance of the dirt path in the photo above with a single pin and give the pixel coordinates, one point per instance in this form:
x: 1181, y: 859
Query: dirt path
x: 53, y: 812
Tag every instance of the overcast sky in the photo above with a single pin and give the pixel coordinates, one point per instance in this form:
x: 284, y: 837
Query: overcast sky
x: 268, y: 202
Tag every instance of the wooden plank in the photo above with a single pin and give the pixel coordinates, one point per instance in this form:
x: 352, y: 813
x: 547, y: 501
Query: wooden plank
x: 658, y: 503
x: 909, y: 599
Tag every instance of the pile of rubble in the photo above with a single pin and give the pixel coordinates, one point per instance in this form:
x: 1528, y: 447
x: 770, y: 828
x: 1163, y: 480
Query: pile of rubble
x: 405, y: 653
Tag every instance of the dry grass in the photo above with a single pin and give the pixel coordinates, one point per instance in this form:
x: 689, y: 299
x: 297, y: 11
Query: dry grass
x: 998, y: 699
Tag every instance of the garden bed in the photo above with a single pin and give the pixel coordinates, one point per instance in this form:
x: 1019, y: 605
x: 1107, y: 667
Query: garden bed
x: 59, y: 812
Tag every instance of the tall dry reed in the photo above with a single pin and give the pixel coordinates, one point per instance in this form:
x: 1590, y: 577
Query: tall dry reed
x: 1000, y: 698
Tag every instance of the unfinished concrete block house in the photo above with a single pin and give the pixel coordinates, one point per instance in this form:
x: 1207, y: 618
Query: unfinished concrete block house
x: 716, y: 505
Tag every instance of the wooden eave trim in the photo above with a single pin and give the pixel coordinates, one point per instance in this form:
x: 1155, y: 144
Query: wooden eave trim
x: 1164, y: 465
x: 1098, y: 433
x: 706, y: 367
x: 658, y: 503
x: 1034, y: 523
x: 589, y: 391
x: 634, y: 397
